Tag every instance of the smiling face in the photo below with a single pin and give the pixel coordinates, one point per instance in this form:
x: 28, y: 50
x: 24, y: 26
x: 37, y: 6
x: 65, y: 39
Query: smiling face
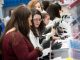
x: 38, y: 6
x: 37, y: 20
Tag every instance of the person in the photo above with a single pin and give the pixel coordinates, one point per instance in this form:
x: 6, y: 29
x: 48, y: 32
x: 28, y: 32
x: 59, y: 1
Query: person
x: 35, y: 4
x: 38, y: 26
x: 38, y: 30
x: 46, y: 18
x: 45, y: 4
x: 54, y: 11
x: 47, y: 21
x: 16, y: 44
x: 7, y: 18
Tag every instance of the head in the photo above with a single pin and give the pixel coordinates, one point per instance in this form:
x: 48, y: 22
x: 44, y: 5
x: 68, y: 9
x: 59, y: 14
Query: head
x: 35, y: 4
x: 45, y: 4
x: 36, y: 18
x: 53, y: 11
x: 37, y: 22
x: 21, y: 20
x: 38, y: 6
x: 59, y: 7
x: 46, y: 18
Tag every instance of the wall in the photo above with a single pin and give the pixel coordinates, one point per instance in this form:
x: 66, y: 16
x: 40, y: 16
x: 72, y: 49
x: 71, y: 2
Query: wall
x: 1, y: 14
x: 11, y: 4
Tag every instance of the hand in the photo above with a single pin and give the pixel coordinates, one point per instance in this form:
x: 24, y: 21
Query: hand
x: 56, y: 45
x: 40, y: 51
x: 55, y: 38
x: 53, y: 31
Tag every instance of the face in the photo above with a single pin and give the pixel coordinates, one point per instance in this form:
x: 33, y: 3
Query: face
x: 46, y: 19
x: 29, y: 19
x: 61, y: 12
x: 37, y: 20
x: 38, y: 6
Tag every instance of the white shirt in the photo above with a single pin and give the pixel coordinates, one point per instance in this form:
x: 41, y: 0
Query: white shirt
x: 34, y: 40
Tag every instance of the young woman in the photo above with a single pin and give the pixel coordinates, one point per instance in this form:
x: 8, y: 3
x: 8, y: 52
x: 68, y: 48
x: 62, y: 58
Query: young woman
x: 46, y: 18
x: 54, y: 11
x: 16, y: 44
x: 38, y: 26
x: 38, y: 29
x: 35, y: 4
x: 45, y: 4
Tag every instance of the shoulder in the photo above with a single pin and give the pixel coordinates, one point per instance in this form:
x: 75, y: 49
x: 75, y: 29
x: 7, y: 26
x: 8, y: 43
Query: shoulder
x: 14, y: 36
x: 11, y: 30
x: 8, y: 34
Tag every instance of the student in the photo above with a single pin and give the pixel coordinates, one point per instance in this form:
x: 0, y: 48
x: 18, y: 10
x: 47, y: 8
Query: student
x: 37, y: 29
x: 35, y: 4
x: 46, y: 18
x: 54, y: 11
x: 16, y: 44
x: 7, y: 18
x: 38, y: 26
x: 45, y: 4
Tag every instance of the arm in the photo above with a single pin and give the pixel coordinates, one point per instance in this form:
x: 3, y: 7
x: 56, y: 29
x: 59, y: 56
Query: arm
x: 22, y: 48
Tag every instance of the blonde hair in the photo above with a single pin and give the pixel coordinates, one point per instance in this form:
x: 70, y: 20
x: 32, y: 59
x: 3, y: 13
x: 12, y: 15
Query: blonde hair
x: 32, y: 4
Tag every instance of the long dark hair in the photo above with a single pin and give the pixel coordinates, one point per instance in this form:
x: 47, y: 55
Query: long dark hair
x: 19, y: 20
x: 45, y: 4
x: 58, y: 6
x: 41, y: 26
x: 53, y: 11
x: 22, y: 14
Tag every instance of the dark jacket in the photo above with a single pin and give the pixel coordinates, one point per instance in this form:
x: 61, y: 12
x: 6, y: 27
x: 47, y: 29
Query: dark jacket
x: 17, y: 47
